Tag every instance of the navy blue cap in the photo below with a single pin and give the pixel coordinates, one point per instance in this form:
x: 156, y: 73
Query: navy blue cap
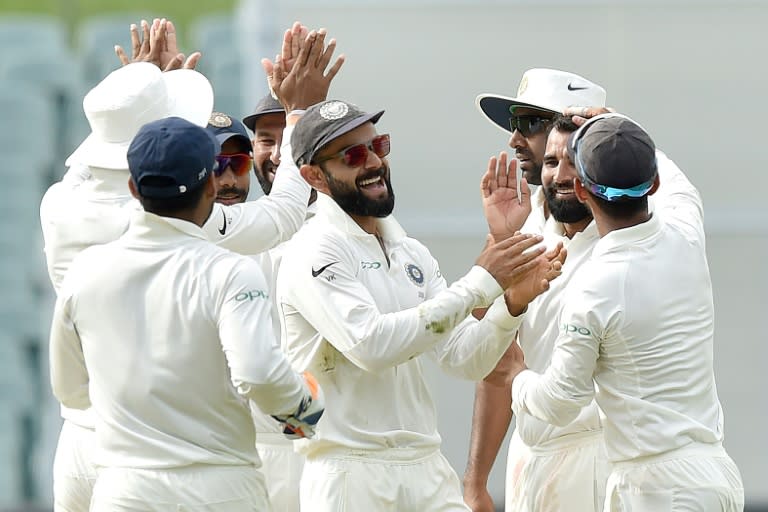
x: 225, y: 127
x: 171, y: 157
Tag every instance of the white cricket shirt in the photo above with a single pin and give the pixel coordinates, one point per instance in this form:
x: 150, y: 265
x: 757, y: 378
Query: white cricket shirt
x: 538, y: 332
x: 269, y: 262
x: 76, y: 213
x: 167, y: 335
x: 638, y: 319
x: 93, y: 206
x: 359, y: 319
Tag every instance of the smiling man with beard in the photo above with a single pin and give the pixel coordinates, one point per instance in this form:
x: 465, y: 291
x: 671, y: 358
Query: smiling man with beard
x: 361, y: 302
x: 553, y: 468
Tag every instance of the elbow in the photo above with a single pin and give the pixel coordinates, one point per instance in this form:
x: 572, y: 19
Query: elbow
x: 372, y: 362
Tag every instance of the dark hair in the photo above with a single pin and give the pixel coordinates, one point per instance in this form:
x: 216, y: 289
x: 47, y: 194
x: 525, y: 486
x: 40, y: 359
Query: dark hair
x: 563, y: 123
x: 169, y: 206
x: 625, y: 208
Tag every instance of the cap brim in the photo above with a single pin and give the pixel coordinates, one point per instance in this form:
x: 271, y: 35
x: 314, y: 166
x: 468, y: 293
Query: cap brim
x: 250, y: 121
x: 191, y: 96
x: 97, y: 153
x: 224, y: 137
x: 497, y: 109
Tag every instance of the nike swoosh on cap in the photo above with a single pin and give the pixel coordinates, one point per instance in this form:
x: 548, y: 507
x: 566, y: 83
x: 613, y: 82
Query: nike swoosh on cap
x: 572, y: 88
x: 319, y: 271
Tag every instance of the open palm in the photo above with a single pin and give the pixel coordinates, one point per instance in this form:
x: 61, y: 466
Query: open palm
x: 504, y: 209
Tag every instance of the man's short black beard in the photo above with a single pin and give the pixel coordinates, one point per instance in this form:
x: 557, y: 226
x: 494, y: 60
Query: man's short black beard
x: 261, y: 177
x: 352, y: 200
x: 565, y: 211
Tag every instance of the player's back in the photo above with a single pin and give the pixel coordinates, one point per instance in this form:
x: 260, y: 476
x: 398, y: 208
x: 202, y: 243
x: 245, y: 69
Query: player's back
x: 655, y: 370
x: 160, y: 379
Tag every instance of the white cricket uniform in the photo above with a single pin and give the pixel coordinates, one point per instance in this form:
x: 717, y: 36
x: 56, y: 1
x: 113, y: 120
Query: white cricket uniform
x: 359, y: 318
x: 167, y: 335
x: 77, y: 212
x: 280, y: 464
x: 637, y: 324
x: 91, y: 206
x: 566, y: 467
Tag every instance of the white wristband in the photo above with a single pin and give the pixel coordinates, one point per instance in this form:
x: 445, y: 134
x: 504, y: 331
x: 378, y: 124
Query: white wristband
x: 297, y: 112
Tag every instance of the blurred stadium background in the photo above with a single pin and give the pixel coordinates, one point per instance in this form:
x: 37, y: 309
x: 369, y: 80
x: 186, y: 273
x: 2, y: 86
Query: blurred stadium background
x: 690, y: 71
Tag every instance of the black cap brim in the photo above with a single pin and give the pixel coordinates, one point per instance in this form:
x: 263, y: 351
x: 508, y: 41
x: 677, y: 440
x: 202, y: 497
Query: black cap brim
x: 498, y: 109
x: 250, y: 121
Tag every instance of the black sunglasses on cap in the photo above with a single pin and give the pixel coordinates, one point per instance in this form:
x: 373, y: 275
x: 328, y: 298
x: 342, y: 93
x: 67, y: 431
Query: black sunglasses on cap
x: 529, y: 124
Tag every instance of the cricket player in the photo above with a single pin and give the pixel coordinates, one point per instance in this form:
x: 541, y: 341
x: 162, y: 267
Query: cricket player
x: 636, y: 332
x: 165, y: 334
x: 93, y: 205
x: 280, y: 464
x: 548, y: 468
x: 361, y: 302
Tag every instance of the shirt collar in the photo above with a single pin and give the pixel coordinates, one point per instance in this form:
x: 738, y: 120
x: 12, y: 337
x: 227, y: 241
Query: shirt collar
x: 329, y: 211
x: 628, y: 236
x: 153, y: 227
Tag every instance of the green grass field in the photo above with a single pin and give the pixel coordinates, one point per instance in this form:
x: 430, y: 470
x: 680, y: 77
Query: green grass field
x: 182, y: 12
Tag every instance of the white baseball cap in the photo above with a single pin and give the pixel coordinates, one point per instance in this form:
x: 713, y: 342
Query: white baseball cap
x: 544, y: 89
x: 131, y: 97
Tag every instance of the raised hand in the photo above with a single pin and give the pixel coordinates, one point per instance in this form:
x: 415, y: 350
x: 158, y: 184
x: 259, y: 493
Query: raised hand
x: 526, y: 286
x: 505, y: 209
x: 293, y: 42
x: 579, y: 115
x: 157, y: 45
x: 307, y: 82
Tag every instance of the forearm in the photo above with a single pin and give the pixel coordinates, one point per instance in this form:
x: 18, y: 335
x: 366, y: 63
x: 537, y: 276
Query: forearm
x: 491, y: 417
x: 475, y: 347
x: 387, y: 340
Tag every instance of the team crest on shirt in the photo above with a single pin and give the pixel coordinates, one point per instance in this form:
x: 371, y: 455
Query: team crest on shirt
x: 415, y: 274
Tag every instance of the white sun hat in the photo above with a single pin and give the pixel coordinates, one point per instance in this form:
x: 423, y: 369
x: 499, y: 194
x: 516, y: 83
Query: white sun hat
x: 549, y: 90
x: 132, y: 96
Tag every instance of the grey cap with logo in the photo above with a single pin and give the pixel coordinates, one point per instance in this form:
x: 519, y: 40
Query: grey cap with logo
x: 324, y: 122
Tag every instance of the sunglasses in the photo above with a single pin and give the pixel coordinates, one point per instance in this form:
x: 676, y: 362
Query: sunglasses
x: 357, y: 155
x: 240, y: 163
x: 529, y: 125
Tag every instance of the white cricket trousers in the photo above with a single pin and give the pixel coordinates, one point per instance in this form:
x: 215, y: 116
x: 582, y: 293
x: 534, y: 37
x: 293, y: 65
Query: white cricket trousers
x: 567, y: 475
x: 394, y: 480
x: 198, y: 488
x: 698, y: 477
x: 73, y: 472
x: 281, y: 467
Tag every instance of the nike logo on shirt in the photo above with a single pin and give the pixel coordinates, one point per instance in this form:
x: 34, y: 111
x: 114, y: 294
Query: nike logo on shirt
x: 223, y: 229
x: 319, y: 271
